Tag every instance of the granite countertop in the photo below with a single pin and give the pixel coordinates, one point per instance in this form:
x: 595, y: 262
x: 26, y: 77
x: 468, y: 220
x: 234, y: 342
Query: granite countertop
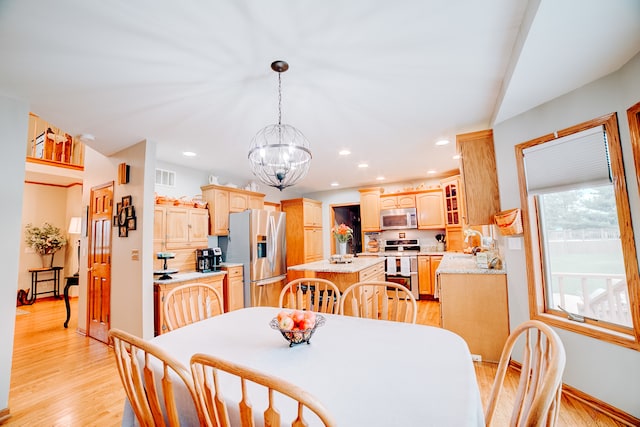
x: 396, y: 253
x: 231, y: 264
x: 459, y: 263
x: 183, y: 277
x: 325, y: 266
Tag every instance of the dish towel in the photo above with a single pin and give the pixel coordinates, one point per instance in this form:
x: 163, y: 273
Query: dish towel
x: 405, y: 266
x: 391, y: 266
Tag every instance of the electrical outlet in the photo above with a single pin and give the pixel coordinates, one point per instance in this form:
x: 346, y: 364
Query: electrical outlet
x: 476, y: 358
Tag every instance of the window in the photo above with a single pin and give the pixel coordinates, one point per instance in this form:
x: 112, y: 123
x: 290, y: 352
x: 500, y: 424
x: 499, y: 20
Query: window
x: 582, y: 267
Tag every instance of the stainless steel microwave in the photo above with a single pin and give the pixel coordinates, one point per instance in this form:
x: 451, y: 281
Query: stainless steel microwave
x: 398, y: 219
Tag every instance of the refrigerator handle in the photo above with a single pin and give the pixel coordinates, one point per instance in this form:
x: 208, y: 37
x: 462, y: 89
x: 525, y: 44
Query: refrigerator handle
x: 271, y: 242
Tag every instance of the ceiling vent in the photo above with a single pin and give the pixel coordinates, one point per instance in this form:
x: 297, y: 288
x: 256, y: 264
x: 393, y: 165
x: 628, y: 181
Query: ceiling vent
x: 166, y: 178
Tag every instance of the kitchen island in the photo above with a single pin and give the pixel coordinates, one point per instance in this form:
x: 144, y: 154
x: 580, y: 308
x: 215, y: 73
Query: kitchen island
x: 474, y: 304
x: 344, y: 274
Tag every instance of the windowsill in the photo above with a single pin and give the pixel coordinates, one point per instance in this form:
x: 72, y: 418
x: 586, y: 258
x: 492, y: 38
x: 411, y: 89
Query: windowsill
x: 591, y: 330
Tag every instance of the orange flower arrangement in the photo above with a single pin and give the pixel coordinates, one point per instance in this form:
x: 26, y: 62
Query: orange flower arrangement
x: 343, y: 233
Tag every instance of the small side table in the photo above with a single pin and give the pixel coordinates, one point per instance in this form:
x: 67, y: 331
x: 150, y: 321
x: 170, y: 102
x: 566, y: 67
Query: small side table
x: 55, y: 278
x: 70, y: 281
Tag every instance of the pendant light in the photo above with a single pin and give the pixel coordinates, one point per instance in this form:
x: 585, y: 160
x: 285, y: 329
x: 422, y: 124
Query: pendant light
x: 279, y: 154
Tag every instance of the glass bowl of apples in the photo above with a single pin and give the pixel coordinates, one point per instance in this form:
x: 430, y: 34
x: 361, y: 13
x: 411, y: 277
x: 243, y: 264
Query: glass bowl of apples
x: 297, y: 326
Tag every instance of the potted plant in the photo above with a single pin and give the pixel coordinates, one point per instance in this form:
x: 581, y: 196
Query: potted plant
x: 45, y: 240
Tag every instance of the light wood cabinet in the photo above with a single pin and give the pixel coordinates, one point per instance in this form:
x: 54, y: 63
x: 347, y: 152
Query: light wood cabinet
x: 397, y: 201
x: 429, y: 208
x: 303, y: 231
x: 160, y: 291
x: 475, y: 306
x: 479, y: 177
x: 427, y: 266
x: 454, y: 212
x: 233, y: 288
x: 224, y: 200
x: 370, y: 209
x: 177, y: 227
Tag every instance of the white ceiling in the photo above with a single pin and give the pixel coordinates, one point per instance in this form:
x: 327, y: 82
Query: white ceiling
x: 383, y: 79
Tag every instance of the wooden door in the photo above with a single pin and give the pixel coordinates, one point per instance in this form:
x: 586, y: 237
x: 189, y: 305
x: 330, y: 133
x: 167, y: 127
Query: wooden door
x: 99, y: 260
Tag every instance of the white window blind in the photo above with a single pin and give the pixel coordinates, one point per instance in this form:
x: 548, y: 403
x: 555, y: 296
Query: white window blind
x: 165, y: 177
x: 569, y: 162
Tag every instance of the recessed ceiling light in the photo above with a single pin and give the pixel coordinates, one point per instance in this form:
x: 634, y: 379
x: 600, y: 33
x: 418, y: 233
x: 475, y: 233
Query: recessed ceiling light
x: 431, y: 171
x: 363, y: 165
x: 380, y: 178
x: 188, y: 154
x: 334, y: 184
x: 442, y: 142
x: 456, y: 157
x: 344, y: 152
x: 86, y: 137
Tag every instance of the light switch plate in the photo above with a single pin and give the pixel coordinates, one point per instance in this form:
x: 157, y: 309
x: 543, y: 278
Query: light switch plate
x: 135, y: 255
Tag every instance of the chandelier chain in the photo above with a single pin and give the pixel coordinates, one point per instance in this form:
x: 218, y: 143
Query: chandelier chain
x: 279, y: 99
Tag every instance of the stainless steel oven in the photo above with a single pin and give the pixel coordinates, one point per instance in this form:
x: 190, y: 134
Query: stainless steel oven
x: 401, y: 263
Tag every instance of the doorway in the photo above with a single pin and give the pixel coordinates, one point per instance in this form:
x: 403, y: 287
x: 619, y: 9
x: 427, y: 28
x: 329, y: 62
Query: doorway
x: 350, y: 216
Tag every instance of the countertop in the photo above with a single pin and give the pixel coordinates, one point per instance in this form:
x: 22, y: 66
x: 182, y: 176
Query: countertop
x: 396, y: 253
x: 183, y: 277
x: 325, y: 266
x: 459, y: 263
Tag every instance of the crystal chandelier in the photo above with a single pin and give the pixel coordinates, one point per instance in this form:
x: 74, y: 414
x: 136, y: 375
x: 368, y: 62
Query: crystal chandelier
x: 279, y: 154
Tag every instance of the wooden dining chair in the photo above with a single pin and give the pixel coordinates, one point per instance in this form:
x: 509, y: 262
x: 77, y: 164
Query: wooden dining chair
x: 190, y: 303
x: 253, y: 386
x: 537, y: 398
x: 312, y: 294
x: 379, y: 300
x: 136, y: 360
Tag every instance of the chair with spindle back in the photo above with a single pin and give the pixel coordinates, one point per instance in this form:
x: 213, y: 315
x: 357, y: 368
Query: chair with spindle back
x: 312, y: 294
x: 152, y: 399
x: 191, y: 303
x: 379, y: 300
x: 537, y: 399
x: 255, y: 389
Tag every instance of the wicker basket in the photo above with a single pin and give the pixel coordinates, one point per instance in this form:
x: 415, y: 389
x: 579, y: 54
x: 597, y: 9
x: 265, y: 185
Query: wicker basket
x: 509, y: 222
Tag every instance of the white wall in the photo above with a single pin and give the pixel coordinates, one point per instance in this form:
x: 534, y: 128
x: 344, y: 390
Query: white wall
x: 132, y: 279
x: 14, y: 115
x: 608, y: 372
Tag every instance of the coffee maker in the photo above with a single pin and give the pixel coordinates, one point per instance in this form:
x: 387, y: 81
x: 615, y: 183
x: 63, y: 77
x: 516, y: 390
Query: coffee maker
x: 208, y: 259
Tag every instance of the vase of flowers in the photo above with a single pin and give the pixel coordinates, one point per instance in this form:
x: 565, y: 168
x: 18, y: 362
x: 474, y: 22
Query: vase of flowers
x: 45, y: 240
x: 343, y: 233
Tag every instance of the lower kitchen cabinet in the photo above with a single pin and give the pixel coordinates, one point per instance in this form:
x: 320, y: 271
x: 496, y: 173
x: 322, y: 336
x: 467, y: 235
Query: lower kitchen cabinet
x: 161, y: 289
x: 233, y: 288
x: 475, y: 306
x: 427, y: 266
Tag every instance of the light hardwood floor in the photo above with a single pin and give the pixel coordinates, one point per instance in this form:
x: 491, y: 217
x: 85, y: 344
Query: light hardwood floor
x: 61, y: 378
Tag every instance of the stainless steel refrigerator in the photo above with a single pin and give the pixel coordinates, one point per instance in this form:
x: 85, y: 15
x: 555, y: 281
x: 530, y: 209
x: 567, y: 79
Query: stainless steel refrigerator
x: 257, y: 240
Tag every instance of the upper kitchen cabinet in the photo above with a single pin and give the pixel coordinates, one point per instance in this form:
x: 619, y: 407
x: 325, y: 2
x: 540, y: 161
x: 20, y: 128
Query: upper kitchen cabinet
x: 224, y: 200
x: 429, y: 208
x: 479, y: 176
x: 178, y: 227
x: 370, y: 209
x: 396, y: 201
x: 453, y: 212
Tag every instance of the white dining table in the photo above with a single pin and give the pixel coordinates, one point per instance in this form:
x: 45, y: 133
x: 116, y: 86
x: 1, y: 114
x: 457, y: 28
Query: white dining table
x: 365, y: 372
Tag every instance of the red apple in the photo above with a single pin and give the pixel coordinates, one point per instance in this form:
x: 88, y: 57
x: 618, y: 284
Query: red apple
x: 286, y: 323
